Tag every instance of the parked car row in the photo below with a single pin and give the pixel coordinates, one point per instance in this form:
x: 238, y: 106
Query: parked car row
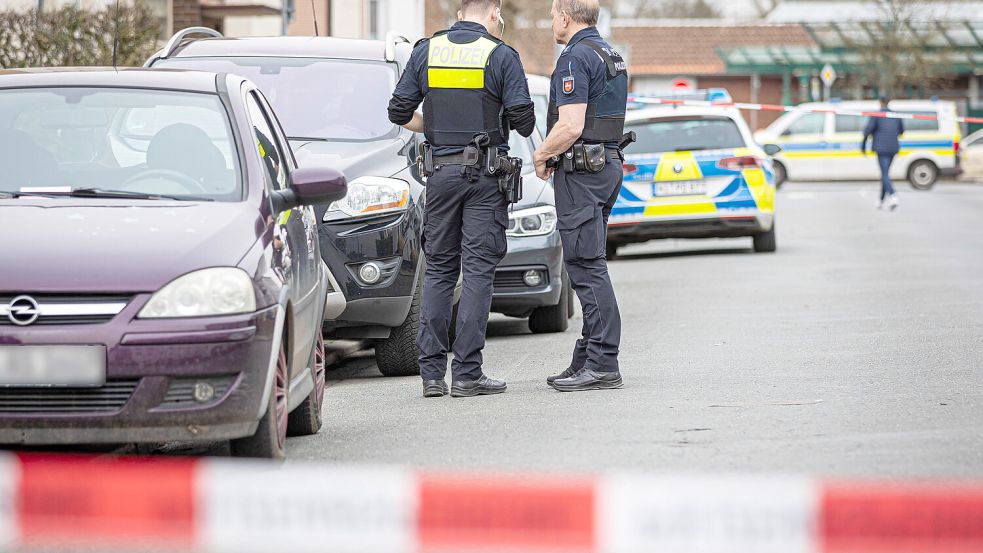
x: 193, y: 231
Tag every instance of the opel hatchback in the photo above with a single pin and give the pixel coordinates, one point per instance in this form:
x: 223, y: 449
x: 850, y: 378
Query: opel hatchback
x: 160, y: 278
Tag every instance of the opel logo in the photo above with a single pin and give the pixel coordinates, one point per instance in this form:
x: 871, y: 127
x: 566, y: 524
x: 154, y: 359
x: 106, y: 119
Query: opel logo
x: 23, y: 310
x: 678, y: 168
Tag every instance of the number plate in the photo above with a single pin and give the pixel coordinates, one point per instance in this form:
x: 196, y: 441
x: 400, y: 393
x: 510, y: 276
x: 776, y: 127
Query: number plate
x: 679, y: 188
x: 52, y: 365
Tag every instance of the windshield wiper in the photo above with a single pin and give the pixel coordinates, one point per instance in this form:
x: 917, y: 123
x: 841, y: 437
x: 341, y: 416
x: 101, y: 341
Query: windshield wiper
x: 111, y: 194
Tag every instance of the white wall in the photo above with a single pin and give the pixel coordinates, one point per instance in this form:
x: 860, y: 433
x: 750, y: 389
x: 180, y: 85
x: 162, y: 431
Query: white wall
x: 352, y: 18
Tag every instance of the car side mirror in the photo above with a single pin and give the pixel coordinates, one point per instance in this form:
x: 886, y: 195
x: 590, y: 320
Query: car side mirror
x: 772, y: 149
x: 310, y: 186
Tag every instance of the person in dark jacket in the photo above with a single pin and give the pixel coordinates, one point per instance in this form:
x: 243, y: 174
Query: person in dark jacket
x: 885, y: 132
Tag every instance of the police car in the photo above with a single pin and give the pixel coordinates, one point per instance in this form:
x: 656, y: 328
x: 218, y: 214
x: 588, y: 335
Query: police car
x: 695, y: 172
x: 822, y: 145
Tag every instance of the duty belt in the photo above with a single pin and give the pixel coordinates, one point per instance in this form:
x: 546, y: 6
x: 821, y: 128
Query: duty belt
x: 455, y: 159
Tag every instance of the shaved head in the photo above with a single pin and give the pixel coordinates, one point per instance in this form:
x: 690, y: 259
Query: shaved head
x: 584, y: 12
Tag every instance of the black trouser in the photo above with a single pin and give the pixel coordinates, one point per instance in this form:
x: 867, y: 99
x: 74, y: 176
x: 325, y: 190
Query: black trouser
x: 464, y: 229
x: 583, y: 204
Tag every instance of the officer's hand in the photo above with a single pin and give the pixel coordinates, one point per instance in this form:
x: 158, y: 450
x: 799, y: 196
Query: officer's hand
x: 542, y: 171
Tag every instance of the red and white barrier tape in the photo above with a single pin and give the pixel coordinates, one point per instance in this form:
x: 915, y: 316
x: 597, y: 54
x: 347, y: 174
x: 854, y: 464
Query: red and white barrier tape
x: 776, y: 107
x: 224, y: 505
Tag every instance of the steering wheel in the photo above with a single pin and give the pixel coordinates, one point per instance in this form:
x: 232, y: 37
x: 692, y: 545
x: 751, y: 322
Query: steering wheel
x: 187, y: 182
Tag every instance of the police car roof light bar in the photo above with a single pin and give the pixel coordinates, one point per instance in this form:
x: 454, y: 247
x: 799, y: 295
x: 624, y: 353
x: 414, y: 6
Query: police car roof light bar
x: 705, y: 95
x: 392, y: 39
x: 175, y: 40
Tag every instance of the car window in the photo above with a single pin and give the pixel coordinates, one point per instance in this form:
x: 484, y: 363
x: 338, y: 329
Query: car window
x: 273, y: 158
x: 685, y: 133
x: 143, y: 141
x: 921, y: 124
x: 850, y: 123
x: 541, y: 105
x: 810, y: 123
x: 321, y: 99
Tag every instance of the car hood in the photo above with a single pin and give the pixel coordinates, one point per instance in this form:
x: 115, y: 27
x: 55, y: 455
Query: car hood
x: 83, y: 245
x: 534, y: 191
x: 355, y: 159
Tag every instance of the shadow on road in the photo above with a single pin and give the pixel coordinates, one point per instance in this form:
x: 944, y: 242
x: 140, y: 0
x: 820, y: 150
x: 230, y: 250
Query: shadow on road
x: 682, y: 253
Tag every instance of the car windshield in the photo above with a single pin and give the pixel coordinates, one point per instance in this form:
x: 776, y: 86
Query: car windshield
x: 677, y: 134
x: 125, y: 141
x: 315, y: 98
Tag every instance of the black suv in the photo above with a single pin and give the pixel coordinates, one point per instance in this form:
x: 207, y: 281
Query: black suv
x: 331, y: 96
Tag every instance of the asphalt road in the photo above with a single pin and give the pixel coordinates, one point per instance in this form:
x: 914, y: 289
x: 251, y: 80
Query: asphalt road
x: 855, y: 350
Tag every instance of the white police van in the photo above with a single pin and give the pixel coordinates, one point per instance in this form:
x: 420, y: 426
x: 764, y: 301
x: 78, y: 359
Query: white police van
x: 826, y: 145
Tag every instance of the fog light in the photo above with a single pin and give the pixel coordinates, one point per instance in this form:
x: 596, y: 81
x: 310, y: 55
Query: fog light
x: 370, y: 273
x: 203, y: 392
x: 532, y: 278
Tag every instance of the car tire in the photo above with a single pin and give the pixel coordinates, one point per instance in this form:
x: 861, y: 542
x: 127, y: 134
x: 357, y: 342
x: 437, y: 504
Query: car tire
x: 781, y: 174
x: 399, y: 354
x: 611, y: 251
x: 765, y: 241
x: 270, y: 438
x: 306, y: 419
x: 553, y: 318
x: 922, y: 174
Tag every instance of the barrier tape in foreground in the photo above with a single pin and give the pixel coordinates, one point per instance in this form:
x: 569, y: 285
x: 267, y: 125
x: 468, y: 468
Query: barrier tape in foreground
x: 225, y: 505
x: 777, y: 107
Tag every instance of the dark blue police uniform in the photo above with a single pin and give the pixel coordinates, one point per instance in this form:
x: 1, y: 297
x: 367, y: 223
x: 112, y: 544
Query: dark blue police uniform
x: 590, y: 71
x: 469, y: 83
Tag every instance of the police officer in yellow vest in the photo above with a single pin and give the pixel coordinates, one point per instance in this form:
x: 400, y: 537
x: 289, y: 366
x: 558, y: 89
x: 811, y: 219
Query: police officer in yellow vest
x: 473, y: 89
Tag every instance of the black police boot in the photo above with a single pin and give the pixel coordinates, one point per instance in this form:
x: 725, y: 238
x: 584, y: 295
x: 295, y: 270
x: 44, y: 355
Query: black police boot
x: 482, y: 387
x: 434, y: 388
x: 588, y: 379
x: 567, y: 373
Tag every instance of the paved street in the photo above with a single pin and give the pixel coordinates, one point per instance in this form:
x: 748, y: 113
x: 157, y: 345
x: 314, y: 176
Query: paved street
x: 855, y: 350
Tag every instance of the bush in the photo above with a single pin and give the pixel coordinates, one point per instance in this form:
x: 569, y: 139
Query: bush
x: 73, y: 37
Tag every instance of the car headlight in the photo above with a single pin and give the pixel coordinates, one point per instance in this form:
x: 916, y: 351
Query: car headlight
x: 208, y: 292
x: 370, y: 196
x: 533, y: 221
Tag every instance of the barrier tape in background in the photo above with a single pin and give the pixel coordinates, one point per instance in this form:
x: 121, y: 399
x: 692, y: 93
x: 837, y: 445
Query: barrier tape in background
x: 776, y: 107
x: 186, y: 504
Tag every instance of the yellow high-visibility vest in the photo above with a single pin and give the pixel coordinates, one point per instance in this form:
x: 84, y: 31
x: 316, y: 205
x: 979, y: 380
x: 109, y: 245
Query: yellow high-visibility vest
x: 451, y: 65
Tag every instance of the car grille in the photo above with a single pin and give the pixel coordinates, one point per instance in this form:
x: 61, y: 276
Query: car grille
x: 107, y: 398
x: 71, y: 308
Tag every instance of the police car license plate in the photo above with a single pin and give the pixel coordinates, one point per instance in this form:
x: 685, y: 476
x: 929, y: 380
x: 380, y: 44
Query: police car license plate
x: 52, y: 365
x: 679, y: 188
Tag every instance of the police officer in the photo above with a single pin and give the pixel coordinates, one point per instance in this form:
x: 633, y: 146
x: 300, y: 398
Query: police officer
x: 588, y: 97
x: 473, y: 89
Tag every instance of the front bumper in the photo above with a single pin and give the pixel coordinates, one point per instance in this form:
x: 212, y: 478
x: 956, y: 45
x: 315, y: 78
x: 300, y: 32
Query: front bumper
x: 727, y: 226
x: 152, y: 369
x: 345, y: 245
x: 543, y: 253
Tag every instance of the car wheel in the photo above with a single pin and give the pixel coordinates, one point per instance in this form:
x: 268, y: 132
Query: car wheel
x: 765, y: 242
x: 922, y: 174
x: 611, y: 251
x: 781, y: 175
x: 270, y: 438
x: 306, y: 420
x: 399, y: 355
x: 553, y: 318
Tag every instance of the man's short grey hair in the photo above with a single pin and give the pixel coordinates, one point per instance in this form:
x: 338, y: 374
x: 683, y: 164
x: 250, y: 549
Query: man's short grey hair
x: 584, y: 12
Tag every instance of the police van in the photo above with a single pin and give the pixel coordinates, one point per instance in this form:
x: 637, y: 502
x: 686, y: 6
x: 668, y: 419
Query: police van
x: 694, y: 172
x: 826, y: 146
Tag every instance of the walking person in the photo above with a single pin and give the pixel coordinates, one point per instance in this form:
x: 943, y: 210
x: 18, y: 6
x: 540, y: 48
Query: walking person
x: 588, y: 96
x: 885, y: 132
x: 473, y: 89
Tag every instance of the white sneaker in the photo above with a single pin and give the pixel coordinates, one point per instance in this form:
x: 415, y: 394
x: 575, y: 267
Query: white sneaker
x: 892, y: 202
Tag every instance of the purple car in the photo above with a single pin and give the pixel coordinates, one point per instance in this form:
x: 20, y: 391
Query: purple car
x: 160, y: 277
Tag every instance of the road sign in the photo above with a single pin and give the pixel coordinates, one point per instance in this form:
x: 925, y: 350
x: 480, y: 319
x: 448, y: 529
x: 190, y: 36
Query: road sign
x: 683, y: 83
x: 828, y: 75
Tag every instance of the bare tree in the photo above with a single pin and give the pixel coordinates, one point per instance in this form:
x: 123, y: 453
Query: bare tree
x: 765, y: 7
x: 895, y: 52
x: 675, y: 9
